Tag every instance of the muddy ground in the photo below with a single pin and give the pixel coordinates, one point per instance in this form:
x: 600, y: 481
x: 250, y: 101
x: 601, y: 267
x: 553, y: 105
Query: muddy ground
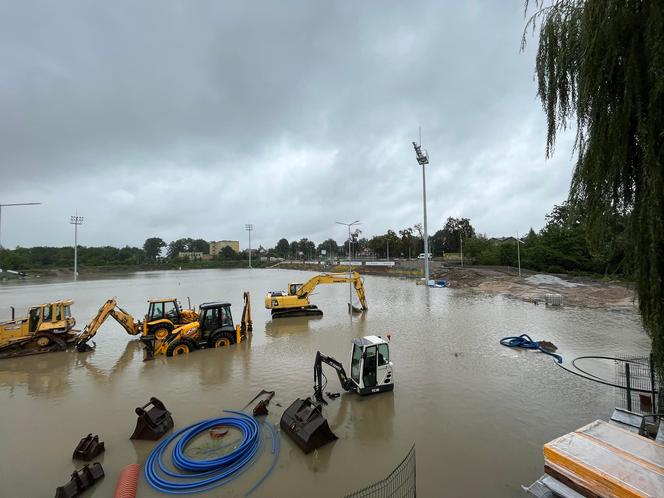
x: 531, y: 286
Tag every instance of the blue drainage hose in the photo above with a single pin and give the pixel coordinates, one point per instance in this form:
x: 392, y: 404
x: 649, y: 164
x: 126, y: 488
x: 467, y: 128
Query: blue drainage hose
x: 525, y: 342
x: 196, y: 476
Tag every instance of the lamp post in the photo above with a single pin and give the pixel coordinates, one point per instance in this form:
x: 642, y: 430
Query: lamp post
x: 518, y: 251
x: 350, y: 284
x: 10, y: 205
x: 76, y: 221
x: 249, y: 227
x: 461, y: 242
x: 423, y: 160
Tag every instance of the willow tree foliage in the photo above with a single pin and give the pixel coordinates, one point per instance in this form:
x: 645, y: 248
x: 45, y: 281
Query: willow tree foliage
x: 600, y: 70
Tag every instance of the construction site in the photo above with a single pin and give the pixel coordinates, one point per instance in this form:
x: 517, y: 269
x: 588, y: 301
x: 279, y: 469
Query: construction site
x: 426, y: 399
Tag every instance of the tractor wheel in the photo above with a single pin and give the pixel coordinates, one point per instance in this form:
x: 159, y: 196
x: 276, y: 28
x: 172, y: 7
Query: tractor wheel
x: 221, y: 340
x: 179, y: 347
x: 161, y: 332
x: 44, y: 340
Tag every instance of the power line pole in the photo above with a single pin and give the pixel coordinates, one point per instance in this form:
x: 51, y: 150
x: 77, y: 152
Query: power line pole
x: 350, y: 272
x: 76, y: 221
x: 249, y: 227
x: 461, y: 240
x: 10, y: 205
x: 423, y: 160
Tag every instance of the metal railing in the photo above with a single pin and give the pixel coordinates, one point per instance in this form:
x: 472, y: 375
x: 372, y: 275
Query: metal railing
x: 636, y: 374
x: 401, y: 483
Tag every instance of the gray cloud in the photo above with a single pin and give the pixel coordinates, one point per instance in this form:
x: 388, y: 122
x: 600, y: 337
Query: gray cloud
x: 191, y: 119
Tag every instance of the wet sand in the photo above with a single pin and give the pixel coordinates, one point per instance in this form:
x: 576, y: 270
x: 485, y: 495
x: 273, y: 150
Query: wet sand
x: 477, y: 412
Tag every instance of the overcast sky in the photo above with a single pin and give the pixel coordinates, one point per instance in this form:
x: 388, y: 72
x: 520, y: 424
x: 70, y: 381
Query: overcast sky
x: 192, y: 118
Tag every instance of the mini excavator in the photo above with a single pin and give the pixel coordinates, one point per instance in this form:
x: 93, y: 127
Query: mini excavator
x: 295, y: 302
x: 370, y: 373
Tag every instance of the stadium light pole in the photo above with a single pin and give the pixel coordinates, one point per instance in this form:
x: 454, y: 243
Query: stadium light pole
x: 423, y: 160
x: 249, y: 227
x: 76, y: 221
x: 11, y: 205
x: 350, y: 284
x: 518, y: 251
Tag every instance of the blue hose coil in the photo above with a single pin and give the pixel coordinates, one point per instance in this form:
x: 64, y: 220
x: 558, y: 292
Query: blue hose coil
x: 524, y: 341
x: 197, y: 476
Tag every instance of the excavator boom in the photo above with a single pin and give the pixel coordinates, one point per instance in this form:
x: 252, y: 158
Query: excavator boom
x: 345, y: 382
x: 109, y: 308
x: 296, y: 302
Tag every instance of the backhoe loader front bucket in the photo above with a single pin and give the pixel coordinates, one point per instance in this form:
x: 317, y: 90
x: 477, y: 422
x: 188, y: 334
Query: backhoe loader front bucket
x: 153, y: 423
x: 304, y: 423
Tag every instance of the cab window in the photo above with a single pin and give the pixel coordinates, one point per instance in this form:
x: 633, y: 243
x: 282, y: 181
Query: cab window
x: 67, y: 312
x: 58, y: 312
x: 211, y: 319
x: 157, y: 311
x: 34, y: 318
x: 48, y: 313
x: 355, y: 363
x: 369, y: 372
x: 226, y: 317
x: 383, y: 354
x: 170, y: 311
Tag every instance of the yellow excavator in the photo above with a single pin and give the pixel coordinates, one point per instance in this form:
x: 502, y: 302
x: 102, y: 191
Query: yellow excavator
x: 163, y: 316
x: 295, y: 302
x: 213, y: 329
x: 48, y: 327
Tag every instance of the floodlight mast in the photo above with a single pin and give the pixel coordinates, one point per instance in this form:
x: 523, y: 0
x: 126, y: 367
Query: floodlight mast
x: 423, y: 160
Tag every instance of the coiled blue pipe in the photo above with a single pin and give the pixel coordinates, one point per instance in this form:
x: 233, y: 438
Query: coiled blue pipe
x: 524, y: 341
x: 197, y: 476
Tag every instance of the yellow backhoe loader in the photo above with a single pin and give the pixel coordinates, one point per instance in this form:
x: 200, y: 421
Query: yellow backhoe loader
x: 163, y: 316
x: 48, y: 327
x: 295, y: 302
x: 213, y: 329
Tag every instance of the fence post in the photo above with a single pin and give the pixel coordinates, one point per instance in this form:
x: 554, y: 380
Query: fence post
x: 629, y: 387
x: 653, y: 397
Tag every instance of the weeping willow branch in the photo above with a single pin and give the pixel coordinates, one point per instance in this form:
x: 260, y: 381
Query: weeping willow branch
x: 600, y: 69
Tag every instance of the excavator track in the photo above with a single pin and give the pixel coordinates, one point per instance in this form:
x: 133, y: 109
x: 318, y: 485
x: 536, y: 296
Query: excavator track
x: 311, y: 310
x: 41, y: 343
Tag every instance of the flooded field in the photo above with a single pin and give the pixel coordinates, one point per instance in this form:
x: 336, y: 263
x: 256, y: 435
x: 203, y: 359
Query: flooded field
x: 477, y: 412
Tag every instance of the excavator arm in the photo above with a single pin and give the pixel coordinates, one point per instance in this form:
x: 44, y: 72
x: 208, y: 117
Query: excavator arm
x: 109, y: 308
x: 335, y: 278
x: 346, y: 383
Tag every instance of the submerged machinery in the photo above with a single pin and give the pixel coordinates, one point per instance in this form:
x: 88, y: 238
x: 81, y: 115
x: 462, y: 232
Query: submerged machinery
x: 163, y: 316
x: 370, y: 373
x: 48, y: 327
x: 213, y: 329
x: 295, y: 301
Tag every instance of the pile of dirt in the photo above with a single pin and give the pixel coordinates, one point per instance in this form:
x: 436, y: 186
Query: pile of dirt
x: 532, y: 287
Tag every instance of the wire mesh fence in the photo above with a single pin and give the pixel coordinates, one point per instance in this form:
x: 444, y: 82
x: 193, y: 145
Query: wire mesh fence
x: 638, y: 393
x: 401, y: 483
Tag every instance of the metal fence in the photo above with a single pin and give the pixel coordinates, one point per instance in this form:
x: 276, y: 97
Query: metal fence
x: 637, y: 377
x: 401, y: 483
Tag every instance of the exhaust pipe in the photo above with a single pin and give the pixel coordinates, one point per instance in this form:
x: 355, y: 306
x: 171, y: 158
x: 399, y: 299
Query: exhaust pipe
x: 13, y: 313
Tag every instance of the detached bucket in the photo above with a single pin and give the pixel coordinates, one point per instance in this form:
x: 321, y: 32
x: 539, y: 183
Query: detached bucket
x: 154, y: 423
x: 304, y: 423
x: 88, y: 448
x: 81, y: 480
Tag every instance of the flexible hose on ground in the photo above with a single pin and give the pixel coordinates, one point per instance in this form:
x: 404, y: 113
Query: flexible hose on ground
x: 525, y: 342
x: 195, y: 476
x: 127, y: 482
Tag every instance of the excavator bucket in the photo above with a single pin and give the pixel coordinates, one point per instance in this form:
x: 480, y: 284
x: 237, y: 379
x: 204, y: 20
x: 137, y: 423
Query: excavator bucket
x: 304, y: 423
x: 153, y: 423
x: 81, y: 480
x: 88, y: 448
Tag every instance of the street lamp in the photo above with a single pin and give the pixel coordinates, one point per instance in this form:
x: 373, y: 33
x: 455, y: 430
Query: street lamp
x: 10, y: 205
x: 249, y: 227
x: 423, y: 160
x: 76, y: 221
x: 350, y: 283
x: 518, y: 251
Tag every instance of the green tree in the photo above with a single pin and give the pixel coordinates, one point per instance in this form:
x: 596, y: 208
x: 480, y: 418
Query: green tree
x: 600, y: 67
x: 293, y: 252
x: 282, y: 248
x: 454, y: 230
x: 152, y: 247
x: 228, y: 253
x: 330, y: 245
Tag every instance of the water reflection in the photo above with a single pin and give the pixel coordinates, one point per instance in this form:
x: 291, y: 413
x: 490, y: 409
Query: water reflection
x: 42, y: 375
x: 294, y: 325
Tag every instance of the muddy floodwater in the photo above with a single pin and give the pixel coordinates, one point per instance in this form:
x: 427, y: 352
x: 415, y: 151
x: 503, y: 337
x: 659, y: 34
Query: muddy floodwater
x: 477, y: 413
